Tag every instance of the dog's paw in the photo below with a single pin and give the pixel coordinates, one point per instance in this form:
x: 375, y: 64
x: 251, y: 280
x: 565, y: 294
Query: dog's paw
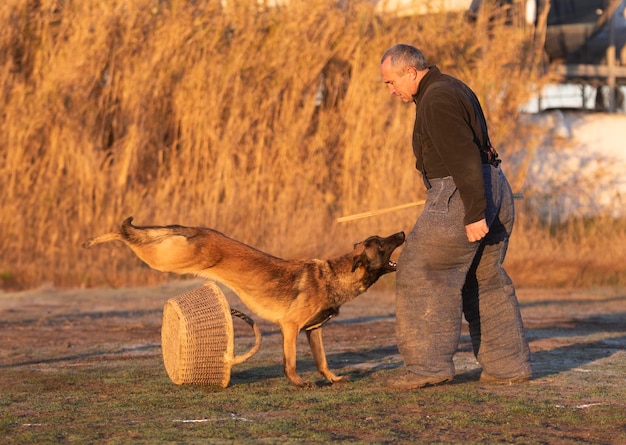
x: 305, y: 384
x: 341, y: 380
x: 300, y: 383
x: 334, y: 378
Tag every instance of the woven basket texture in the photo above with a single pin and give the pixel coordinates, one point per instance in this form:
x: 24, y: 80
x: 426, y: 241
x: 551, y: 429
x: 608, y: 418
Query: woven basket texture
x: 197, y: 337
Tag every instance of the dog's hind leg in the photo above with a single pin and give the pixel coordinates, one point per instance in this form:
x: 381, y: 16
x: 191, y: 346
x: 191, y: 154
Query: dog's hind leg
x: 112, y: 236
x: 317, y: 348
x: 118, y: 235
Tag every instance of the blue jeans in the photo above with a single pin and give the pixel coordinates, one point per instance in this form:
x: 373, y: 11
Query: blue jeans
x: 442, y: 276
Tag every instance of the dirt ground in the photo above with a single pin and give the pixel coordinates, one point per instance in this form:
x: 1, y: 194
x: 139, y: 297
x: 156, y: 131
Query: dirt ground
x: 576, y: 336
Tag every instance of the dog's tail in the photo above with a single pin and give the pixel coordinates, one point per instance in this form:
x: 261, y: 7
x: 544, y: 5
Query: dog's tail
x: 118, y: 235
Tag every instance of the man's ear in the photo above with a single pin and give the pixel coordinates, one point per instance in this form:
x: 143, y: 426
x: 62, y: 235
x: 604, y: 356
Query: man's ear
x: 359, y: 260
x: 412, y: 71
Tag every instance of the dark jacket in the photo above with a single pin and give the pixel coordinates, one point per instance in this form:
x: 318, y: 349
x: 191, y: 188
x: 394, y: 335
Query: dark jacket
x: 449, y: 130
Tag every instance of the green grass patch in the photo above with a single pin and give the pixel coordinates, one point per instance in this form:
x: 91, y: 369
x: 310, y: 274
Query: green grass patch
x: 134, y: 402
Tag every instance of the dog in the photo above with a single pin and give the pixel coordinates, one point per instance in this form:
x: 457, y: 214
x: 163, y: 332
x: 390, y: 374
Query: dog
x: 295, y: 294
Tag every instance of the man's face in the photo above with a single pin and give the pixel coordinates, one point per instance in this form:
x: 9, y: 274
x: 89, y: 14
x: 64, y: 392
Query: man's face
x: 401, y: 83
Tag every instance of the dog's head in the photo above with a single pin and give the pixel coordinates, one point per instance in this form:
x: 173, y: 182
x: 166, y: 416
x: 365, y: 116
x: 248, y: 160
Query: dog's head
x: 374, y: 255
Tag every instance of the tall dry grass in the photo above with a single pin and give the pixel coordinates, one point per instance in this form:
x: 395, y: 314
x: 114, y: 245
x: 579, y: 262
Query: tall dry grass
x: 190, y: 113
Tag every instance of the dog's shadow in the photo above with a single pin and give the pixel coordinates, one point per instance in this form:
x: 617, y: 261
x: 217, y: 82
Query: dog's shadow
x: 356, y: 365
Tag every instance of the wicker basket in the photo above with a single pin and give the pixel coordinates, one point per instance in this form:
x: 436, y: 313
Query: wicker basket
x: 197, y: 337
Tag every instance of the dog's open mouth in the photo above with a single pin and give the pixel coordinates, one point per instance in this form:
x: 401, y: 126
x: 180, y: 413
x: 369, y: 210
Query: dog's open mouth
x: 392, y: 265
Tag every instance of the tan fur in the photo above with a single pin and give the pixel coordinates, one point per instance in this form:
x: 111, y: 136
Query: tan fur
x: 295, y: 294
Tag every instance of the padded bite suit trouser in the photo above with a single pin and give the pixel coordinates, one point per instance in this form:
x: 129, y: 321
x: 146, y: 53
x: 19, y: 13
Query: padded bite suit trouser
x: 441, y: 276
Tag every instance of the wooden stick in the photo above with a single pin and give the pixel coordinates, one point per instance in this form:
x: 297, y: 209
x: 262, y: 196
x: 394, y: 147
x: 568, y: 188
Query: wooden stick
x: 378, y: 212
x: 394, y: 208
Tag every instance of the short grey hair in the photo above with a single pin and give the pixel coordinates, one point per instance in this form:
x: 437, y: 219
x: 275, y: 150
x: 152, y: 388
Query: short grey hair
x: 403, y: 56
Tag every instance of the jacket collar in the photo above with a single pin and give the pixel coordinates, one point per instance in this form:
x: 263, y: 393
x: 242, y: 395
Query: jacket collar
x: 433, y: 73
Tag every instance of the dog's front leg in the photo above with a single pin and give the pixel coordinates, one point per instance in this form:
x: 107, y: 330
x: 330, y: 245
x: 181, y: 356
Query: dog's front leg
x: 317, y: 348
x: 290, y: 334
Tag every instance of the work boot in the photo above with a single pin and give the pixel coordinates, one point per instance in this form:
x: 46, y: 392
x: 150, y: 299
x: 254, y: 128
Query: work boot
x: 487, y: 378
x: 410, y: 380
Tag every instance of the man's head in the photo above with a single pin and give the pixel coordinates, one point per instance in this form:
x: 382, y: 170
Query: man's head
x: 402, y: 68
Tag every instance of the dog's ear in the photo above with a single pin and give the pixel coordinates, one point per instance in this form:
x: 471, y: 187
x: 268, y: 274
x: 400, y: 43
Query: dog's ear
x: 359, y: 260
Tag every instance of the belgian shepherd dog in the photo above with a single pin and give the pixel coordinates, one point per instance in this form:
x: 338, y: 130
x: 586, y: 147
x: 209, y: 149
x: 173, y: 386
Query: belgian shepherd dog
x: 295, y: 294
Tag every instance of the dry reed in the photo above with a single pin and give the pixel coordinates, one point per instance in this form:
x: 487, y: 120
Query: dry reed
x: 197, y: 114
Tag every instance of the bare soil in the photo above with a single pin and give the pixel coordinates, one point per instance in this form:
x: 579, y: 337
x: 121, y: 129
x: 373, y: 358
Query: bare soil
x: 577, y: 339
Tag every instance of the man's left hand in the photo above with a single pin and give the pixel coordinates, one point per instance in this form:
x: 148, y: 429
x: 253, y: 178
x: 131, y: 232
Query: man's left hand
x: 476, y: 231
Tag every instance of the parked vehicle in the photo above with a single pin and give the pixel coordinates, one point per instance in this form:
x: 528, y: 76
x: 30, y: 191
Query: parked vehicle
x: 579, y: 31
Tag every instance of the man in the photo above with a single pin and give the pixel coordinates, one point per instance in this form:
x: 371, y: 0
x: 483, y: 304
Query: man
x: 451, y: 263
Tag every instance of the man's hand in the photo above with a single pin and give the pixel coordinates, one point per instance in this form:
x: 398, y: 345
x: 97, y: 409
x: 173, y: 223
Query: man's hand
x: 476, y: 231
